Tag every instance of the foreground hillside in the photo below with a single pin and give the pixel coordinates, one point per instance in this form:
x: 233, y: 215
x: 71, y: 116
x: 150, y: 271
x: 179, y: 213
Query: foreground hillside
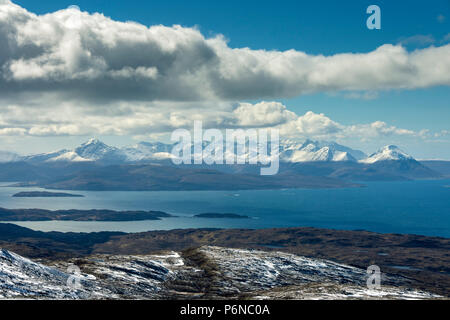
x: 203, y: 273
x: 423, y: 260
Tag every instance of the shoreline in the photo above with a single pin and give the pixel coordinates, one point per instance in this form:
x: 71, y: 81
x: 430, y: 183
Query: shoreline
x: 19, y: 223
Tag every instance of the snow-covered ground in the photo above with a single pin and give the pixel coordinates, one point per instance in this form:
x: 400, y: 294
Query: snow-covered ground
x: 229, y: 273
x: 23, y: 278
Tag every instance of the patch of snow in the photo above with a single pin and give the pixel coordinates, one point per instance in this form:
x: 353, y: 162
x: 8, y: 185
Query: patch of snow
x: 70, y: 156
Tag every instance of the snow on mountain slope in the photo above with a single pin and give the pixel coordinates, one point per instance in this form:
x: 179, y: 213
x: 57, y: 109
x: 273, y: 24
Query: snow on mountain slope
x: 43, y: 157
x: 147, y: 151
x: 312, y: 151
x: 337, y: 148
x: 6, y: 156
x: 94, y: 150
x: 343, y: 156
x: 256, y: 274
x: 69, y: 156
x: 388, y: 153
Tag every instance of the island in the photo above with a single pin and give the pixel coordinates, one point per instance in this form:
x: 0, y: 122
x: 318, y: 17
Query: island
x: 45, y: 194
x: 79, y: 215
x: 221, y: 216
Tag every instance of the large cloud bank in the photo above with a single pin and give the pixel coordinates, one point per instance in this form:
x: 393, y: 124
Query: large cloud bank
x: 89, y: 56
x: 75, y: 73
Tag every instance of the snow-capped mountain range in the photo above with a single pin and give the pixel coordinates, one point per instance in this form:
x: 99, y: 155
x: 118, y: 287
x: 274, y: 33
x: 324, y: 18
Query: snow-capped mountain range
x: 290, y: 152
x: 96, y: 150
x: 311, y: 151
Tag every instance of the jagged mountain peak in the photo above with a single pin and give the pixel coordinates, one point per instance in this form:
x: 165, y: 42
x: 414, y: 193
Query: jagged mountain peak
x: 391, y: 148
x: 92, y: 141
x: 91, y: 150
x: 311, y: 151
x: 388, y: 153
x: 94, y: 149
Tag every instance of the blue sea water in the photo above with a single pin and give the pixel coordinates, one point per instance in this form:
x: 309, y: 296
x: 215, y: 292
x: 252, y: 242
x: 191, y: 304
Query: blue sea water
x: 414, y: 207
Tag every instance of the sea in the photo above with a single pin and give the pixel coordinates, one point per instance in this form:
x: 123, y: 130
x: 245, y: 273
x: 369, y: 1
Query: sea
x: 406, y: 207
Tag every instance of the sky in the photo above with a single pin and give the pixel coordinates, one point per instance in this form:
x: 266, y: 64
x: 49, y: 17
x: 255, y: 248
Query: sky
x: 312, y: 69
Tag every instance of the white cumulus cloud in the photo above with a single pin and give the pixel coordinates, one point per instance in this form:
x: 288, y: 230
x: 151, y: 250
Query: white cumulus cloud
x: 82, y: 56
x: 74, y: 73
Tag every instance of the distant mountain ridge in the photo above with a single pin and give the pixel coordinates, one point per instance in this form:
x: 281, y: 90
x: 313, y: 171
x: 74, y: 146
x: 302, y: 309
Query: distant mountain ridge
x: 147, y: 166
x: 95, y: 150
x: 311, y: 151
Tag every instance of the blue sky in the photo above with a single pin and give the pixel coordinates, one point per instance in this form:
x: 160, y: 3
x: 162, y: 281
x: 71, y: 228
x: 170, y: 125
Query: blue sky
x: 317, y: 28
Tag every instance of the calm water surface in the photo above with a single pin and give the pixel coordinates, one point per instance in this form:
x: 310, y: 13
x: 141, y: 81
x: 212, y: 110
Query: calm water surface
x: 419, y: 207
